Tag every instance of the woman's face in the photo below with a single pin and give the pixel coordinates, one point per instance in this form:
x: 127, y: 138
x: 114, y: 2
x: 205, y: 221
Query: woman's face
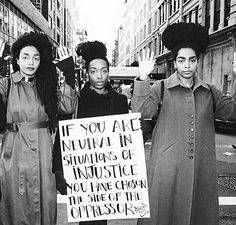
x: 98, y: 74
x: 28, y: 61
x: 186, y: 63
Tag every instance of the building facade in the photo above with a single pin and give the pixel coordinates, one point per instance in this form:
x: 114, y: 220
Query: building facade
x: 16, y: 18
x: 58, y: 15
x: 19, y: 16
x: 145, y: 20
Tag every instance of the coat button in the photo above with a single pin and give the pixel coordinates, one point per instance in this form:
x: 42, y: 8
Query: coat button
x: 191, y: 115
x: 191, y: 122
x: 190, y: 157
x: 191, y: 143
x: 191, y: 150
x: 191, y: 136
x: 191, y: 129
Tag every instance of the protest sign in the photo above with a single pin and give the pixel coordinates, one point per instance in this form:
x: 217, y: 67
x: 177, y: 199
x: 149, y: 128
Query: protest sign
x: 104, y: 165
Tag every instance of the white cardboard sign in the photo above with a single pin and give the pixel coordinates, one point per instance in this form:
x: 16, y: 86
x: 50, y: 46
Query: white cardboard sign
x: 104, y: 166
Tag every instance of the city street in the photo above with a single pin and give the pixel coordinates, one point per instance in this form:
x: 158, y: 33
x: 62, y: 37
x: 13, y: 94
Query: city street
x: 226, y: 159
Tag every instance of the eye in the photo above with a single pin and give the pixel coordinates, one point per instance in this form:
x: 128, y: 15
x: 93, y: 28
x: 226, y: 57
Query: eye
x: 180, y: 60
x: 105, y: 70
x: 92, y: 71
x: 193, y: 60
x: 37, y: 58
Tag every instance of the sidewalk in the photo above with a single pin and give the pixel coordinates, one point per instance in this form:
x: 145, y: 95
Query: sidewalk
x: 226, y: 159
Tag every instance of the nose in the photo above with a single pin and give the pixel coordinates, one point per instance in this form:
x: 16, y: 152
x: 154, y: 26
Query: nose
x: 99, y: 74
x: 187, y: 64
x: 31, y: 61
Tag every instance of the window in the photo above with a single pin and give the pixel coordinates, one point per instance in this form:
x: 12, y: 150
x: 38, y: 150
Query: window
x: 149, y: 5
x: 144, y: 11
x: 149, y: 25
x: 1, y: 16
x: 207, y: 22
x: 216, y: 15
x: 196, y: 14
x: 155, y: 20
x: 6, y: 20
x: 58, y: 22
x: 150, y: 46
x: 190, y: 16
x: 227, y: 12
x: 58, y: 38
x: 50, y: 21
x: 162, y: 13
x: 185, y: 18
x: 144, y: 31
x: 170, y: 7
x: 155, y: 46
x: 175, y: 6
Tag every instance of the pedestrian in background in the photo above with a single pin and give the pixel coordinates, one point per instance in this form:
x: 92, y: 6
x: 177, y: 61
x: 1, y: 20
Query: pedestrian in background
x: 97, y: 98
x: 182, y: 172
x: 27, y: 182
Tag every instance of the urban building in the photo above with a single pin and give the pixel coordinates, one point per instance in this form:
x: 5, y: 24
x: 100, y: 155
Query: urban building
x: 145, y: 20
x: 16, y: 18
x: 59, y: 20
x: 19, y: 16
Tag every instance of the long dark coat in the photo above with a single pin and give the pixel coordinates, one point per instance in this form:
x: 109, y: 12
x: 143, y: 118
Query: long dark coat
x: 182, y: 170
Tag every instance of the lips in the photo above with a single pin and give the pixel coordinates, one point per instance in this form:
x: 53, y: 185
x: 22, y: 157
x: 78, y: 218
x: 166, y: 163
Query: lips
x: 30, y: 68
x: 100, y: 83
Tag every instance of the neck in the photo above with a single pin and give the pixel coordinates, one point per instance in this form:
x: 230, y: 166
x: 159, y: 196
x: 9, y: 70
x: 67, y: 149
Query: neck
x: 187, y: 82
x: 100, y: 91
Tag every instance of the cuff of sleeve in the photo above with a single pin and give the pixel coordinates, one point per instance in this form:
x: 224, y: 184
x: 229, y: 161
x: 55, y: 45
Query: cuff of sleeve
x: 141, y: 87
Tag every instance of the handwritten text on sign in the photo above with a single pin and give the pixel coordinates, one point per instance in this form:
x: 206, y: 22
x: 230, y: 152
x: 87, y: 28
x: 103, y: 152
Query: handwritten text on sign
x: 104, y: 165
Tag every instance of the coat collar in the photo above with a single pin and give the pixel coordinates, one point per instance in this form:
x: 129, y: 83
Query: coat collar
x: 17, y: 77
x: 174, y: 81
x: 107, y: 86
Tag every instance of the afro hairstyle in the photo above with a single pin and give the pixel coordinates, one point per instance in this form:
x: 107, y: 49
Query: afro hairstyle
x: 34, y: 38
x: 180, y: 35
x: 91, y: 50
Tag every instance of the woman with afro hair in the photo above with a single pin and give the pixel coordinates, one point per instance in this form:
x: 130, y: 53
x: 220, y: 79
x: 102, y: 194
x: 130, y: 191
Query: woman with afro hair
x: 26, y: 179
x: 182, y: 174
x: 97, y: 98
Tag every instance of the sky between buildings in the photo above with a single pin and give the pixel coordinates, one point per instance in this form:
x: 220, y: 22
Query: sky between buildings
x: 102, y: 19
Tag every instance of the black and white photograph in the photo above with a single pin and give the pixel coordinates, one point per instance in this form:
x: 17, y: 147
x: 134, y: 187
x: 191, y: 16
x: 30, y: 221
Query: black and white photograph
x: 117, y: 112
